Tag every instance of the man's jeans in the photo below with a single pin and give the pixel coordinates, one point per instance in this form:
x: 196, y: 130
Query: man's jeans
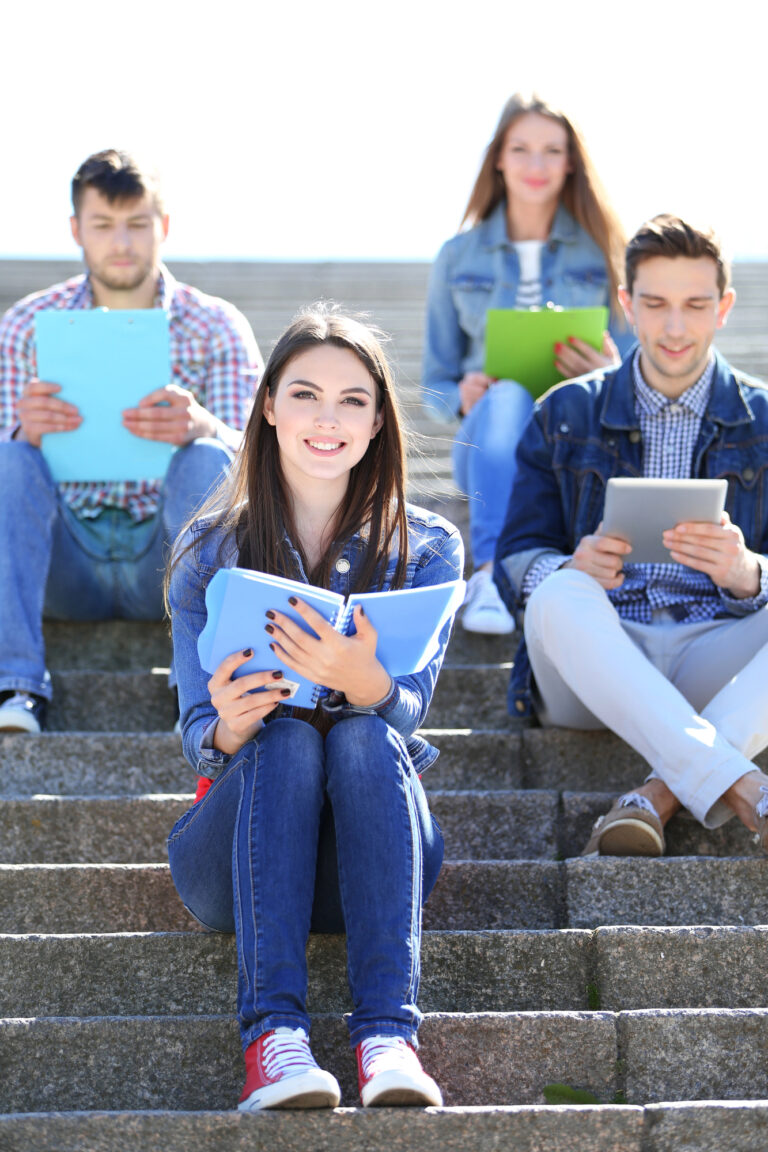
x: 484, y: 461
x: 54, y: 564
x: 302, y: 831
x: 690, y: 698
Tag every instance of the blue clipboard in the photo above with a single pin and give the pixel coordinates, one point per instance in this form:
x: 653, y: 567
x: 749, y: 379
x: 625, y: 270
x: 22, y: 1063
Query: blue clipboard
x: 105, y: 361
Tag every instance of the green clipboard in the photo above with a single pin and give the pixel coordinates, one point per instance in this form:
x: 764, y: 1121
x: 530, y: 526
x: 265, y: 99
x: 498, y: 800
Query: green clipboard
x: 519, y: 343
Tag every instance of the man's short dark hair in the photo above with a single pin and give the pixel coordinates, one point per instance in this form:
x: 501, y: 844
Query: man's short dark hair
x: 117, y: 176
x: 670, y: 236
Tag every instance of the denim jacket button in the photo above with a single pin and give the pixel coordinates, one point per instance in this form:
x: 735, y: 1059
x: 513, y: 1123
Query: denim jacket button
x: 520, y: 705
x: 635, y: 436
x: 748, y: 474
x: 343, y: 565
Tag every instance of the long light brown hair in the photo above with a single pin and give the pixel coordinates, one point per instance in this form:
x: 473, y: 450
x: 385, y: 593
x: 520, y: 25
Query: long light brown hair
x: 254, y: 502
x: 583, y: 194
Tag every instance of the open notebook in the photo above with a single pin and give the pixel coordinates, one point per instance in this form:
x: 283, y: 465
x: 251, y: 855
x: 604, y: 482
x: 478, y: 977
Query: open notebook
x: 408, y: 622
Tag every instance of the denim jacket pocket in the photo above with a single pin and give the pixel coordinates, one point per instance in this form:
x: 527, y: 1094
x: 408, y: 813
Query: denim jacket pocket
x: 584, y: 287
x: 471, y: 297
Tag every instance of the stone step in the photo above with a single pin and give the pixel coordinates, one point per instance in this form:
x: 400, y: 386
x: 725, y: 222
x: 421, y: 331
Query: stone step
x: 141, y: 897
x: 138, y: 645
x: 484, y: 825
x: 134, y: 974
x: 182, y: 1062
x: 722, y: 1126
x: 612, y: 969
x: 469, y: 895
x: 120, y: 830
x: 524, y: 1128
x: 482, y: 1058
x: 119, y: 763
x: 141, y: 701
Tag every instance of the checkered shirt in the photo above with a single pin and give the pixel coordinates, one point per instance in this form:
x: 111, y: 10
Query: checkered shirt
x: 670, y: 428
x: 213, y: 354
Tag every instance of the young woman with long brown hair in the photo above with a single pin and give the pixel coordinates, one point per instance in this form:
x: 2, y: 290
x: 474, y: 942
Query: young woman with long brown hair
x: 540, y: 229
x: 314, y: 819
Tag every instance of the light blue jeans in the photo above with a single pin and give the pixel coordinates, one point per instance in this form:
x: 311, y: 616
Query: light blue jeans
x: 54, y: 564
x: 484, y: 461
x: 300, y: 832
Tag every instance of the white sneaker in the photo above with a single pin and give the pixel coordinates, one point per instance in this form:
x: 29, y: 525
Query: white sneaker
x: 22, y: 712
x: 389, y: 1073
x: 281, y: 1072
x: 484, y: 610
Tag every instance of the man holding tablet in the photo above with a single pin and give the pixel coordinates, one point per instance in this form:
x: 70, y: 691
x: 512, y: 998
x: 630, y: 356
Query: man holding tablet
x: 87, y: 549
x: 672, y: 656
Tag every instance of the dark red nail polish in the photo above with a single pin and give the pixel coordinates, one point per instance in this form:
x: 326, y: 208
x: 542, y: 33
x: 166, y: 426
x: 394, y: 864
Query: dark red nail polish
x: 248, y: 652
x: 277, y: 675
x: 270, y: 614
x: 362, y: 610
x: 292, y: 600
x: 268, y: 628
x: 285, y: 692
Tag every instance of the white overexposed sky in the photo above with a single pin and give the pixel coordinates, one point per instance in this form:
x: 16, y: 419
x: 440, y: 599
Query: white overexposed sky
x: 297, y: 130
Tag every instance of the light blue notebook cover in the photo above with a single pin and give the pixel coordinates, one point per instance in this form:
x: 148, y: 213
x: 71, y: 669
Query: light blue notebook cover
x: 408, y: 621
x: 105, y: 361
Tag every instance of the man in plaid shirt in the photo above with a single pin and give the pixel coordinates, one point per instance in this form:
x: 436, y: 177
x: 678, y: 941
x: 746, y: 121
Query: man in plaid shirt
x: 672, y: 656
x: 96, y: 550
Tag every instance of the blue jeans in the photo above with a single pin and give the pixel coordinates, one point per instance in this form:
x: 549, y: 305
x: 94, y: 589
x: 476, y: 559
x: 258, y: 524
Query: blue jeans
x: 484, y: 461
x: 300, y: 832
x: 55, y: 564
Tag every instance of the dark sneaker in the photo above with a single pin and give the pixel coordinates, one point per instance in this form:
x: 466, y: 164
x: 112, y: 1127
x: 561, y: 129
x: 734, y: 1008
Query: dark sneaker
x: 631, y: 828
x: 22, y: 712
x: 389, y: 1073
x: 281, y: 1072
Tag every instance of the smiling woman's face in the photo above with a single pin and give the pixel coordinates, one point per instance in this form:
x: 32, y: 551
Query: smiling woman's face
x: 534, y: 160
x: 325, y: 414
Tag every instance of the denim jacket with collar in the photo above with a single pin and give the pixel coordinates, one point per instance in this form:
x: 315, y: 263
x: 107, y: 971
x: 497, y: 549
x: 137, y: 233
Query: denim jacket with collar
x: 480, y: 269
x: 435, y: 555
x: 586, y: 430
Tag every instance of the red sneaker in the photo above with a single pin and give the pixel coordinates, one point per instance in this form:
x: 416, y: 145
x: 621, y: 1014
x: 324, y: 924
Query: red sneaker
x: 389, y: 1072
x: 281, y: 1072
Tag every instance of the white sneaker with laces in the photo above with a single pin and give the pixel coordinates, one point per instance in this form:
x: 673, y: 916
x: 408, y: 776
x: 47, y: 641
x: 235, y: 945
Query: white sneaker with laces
x: 484, y: 610
x: 389, y: 1073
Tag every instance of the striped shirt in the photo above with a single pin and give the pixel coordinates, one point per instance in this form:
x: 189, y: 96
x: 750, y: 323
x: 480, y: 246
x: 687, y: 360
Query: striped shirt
x: 670, y: 429
x: 213, y: 354
x: 529, y: 294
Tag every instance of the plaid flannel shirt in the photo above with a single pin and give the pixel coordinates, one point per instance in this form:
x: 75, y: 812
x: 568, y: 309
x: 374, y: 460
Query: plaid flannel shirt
x: 213, y: 354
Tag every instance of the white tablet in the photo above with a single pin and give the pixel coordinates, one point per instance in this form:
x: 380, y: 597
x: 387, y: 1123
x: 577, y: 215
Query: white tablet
x: 640, y: 510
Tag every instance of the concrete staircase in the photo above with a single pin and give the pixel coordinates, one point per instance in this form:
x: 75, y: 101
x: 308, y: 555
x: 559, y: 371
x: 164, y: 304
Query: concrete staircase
x: 643, y: 984
x: 636, y: 981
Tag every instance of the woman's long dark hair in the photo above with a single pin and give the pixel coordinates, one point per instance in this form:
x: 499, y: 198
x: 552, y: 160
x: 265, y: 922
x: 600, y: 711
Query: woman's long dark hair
x: 254, y: 503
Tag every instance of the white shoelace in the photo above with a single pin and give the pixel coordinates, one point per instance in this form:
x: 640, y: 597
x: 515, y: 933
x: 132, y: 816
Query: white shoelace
x: 761, y: 808
x: 286, y: 1053
x: 385, y: 1052
x: 637, y: 800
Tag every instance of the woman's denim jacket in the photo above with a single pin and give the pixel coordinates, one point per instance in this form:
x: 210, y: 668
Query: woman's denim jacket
x: 435, y: 555
x: 584, y: 431
x: 480, y: 269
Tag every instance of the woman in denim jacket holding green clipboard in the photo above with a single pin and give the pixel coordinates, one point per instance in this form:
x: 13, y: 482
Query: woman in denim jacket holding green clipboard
x: 541, y: 230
